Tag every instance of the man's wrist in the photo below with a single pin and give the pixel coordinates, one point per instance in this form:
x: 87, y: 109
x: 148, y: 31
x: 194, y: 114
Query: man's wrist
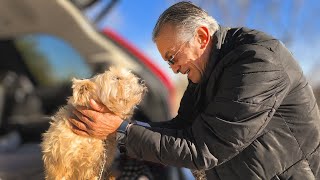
x: 122, y: 133
x: 121, y: 136
x: 123, y: 127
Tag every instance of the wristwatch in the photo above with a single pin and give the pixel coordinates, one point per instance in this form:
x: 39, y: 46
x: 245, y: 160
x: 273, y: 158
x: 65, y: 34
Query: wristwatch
x: 121, y: 136
x: 123, y: 127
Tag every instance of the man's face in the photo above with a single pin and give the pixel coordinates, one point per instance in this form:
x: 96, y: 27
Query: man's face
x: 187, y: 57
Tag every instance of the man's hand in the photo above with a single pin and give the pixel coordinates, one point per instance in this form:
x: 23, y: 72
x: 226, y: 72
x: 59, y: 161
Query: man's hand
x: 98, y: 122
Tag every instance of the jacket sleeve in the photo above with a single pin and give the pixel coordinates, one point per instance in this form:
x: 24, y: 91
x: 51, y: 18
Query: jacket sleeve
x: 185, y: 116
x: 251, y: 87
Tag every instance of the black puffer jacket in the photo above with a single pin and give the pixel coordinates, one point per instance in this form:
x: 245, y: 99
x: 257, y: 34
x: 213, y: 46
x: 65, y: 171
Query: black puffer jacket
x: 253, y: 116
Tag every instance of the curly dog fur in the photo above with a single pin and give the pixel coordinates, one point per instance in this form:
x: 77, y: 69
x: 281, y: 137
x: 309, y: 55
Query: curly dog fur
x: 69, y: 156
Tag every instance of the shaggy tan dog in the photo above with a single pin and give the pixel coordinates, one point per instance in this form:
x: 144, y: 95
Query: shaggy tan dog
x: 71, y: 157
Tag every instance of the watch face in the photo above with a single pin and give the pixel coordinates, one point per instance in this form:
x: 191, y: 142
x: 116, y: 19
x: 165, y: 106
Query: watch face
x: 121, y: 136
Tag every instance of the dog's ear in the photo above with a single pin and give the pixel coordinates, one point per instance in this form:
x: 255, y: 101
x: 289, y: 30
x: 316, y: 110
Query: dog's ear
x: 82, y: 91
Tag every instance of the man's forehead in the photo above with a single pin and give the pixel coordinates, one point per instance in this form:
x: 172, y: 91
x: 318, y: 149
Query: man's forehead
x: 167, y: 33
x: 165, y: 46
x: 166, y: 40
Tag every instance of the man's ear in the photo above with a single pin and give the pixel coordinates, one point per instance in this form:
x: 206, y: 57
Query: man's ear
x: 203, y: 36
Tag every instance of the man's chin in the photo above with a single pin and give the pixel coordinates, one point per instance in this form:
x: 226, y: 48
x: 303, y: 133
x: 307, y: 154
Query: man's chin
x: 193, y: 81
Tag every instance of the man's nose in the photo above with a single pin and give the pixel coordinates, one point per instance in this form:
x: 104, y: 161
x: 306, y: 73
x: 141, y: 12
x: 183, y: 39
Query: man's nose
x: 175, y: 68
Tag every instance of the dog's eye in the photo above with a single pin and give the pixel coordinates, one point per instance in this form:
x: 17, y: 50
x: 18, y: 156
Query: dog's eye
x: 115, y: 78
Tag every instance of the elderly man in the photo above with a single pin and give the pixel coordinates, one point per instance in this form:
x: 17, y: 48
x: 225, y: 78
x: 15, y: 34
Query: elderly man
x: 247, y: 113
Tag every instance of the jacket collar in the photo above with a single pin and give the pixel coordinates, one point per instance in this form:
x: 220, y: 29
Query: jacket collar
x: 219, y: 38
x: 199, y: 89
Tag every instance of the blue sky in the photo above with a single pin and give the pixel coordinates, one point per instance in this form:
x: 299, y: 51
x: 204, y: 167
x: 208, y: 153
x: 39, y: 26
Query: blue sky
x: 134, y: 20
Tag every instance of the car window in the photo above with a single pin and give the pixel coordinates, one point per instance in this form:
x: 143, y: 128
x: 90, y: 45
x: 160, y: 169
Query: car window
x: 51, y: 60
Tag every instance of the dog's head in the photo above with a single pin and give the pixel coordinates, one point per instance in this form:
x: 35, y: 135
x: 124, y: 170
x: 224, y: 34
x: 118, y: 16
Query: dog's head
x: 83, y: 91
x: 118, y: 89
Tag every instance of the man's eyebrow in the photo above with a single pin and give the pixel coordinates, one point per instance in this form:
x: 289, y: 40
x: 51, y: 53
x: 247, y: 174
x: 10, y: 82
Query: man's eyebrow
x: 166, y: 55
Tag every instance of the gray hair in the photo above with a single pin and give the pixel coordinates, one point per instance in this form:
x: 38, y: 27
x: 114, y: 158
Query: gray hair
x: 186, y: 17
